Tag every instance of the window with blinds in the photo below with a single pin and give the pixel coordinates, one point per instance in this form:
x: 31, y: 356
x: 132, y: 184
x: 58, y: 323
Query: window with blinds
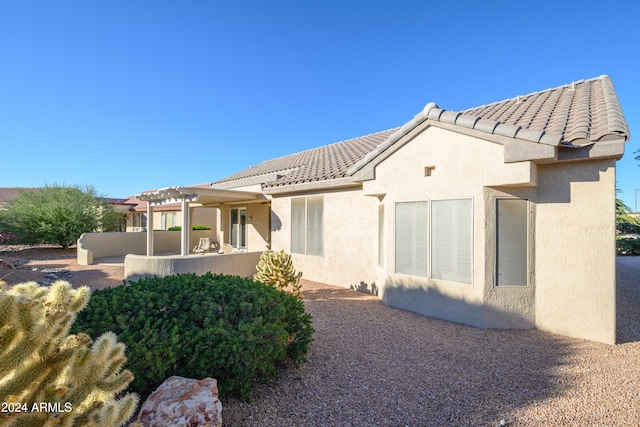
x: 512, y: 242
x: 452, y: 240
x: 307, y: 225
x: 411, y: 224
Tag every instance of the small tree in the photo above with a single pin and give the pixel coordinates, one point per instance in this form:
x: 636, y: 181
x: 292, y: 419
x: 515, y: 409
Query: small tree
x: 57, y: 214
x: 625, y: 222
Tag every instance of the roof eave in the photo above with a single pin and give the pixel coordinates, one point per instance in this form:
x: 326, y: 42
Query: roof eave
x: 311, y: 186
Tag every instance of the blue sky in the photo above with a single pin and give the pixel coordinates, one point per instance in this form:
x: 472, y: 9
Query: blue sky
x: 134, y: 95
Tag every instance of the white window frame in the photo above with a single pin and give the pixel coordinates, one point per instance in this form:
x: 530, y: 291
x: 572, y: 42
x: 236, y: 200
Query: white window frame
x: 450, y: 233
x: 164, y: 223
x: 411, y: 239
x: 307, y: 231
x: 514, y: 251
x: 236, y: 239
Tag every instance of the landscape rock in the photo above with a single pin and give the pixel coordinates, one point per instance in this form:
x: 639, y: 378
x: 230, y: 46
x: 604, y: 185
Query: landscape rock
x: 183, y: 402
x: 7, y: 265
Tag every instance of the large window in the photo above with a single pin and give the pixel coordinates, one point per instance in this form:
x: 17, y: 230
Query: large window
x: 512, y: 242
x: 139, y: 220
x: 168, y: 220
x: 451, y: 240
x: 411, y: 238
x: 307, y: 225
x: 441, y: 252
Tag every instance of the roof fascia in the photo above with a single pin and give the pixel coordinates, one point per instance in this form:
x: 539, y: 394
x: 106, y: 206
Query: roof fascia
x: 600, y: 150
x: 367, y: 171
x: 304, y: 187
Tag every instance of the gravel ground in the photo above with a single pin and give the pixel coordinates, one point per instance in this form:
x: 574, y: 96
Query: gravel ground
x: 372, y: 365
x: 35, y: 263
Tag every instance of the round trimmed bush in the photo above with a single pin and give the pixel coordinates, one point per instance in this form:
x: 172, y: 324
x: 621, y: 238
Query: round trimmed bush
x: 235, y: 330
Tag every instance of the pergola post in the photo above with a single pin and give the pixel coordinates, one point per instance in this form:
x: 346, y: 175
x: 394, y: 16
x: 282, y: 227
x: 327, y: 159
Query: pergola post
x: 186, y: 227
x: 149, y: 229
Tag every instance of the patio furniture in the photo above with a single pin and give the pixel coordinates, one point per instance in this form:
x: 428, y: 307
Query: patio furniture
x: 203, y: 247
x: 227, y: 248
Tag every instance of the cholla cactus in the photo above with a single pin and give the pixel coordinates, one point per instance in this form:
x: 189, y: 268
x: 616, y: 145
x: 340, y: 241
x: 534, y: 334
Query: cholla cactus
x: 276, y: 269
x: 50, y: 378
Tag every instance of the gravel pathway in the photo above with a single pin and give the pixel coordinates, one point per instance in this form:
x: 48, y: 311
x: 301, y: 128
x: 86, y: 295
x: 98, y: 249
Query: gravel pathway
x: 372, y: 365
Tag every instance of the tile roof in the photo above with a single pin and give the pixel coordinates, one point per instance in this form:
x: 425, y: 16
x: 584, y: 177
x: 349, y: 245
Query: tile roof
x: 322, y: 163
x: 10, y: 193
x: 581, y: 113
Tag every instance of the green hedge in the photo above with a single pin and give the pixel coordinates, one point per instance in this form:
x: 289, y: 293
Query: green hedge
x: 627, y: 246
x: 225, y: 327
x: 195, y: 227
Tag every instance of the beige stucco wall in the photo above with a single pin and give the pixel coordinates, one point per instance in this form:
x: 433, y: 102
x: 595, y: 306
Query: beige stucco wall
x: 350, y: 239
x: 575, y: 250
x: 243, y: 265
x: 92, y: 246
x: 464, y: 167
x: 571, y: 237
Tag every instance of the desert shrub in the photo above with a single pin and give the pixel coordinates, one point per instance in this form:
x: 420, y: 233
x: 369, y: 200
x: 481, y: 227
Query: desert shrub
x: 76, y: 381
x: 627, y: 246
x: 233, y: 329
x: 58, y: 214
x: 276, y: 269
x: 195, y: 227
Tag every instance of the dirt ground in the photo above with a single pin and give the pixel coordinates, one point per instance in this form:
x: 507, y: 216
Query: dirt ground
x: 46, y: 263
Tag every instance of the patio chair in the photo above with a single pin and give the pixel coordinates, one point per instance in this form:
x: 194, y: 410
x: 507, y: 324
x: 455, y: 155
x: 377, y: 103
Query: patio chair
x: 203, y: 247
x: 227, y: 248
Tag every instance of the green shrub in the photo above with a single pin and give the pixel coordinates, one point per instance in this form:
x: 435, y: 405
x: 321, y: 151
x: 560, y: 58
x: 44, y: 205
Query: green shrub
x: 225, y: 327
x: 195, y: 227
x: 627, y: 246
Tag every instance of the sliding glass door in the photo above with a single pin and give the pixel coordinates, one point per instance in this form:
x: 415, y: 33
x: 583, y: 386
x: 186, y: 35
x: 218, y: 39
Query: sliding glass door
x: 239, y: 228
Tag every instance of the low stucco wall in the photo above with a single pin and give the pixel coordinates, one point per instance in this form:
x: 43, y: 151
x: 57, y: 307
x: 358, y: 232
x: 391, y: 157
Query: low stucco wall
x: 99, y: 245
x: 237, y: 264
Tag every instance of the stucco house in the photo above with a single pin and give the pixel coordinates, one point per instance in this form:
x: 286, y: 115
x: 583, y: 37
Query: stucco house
x: 500, y: 216
x: 165, y: 216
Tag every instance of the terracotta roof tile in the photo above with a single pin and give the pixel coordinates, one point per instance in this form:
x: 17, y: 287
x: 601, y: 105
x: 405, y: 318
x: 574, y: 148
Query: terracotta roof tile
x: 327, y: 162
x: 579, y: 113
x: 584, y: 110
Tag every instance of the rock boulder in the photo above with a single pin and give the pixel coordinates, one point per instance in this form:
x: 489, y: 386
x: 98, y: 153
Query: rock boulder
x: 182, y: 402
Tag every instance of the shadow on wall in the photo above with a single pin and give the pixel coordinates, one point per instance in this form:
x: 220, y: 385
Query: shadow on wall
x: 453, y: 367
x: 413, y: 295
x: 558, y: 179
x: 365, y: 288
x: 276, y: 222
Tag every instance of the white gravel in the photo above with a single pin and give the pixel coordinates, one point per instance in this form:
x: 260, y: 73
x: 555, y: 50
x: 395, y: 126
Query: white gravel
x: 372, y: 365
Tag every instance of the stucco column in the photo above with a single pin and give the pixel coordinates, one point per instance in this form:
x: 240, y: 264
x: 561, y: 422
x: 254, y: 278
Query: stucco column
x: 186, y: 228
x: 149, y: 229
